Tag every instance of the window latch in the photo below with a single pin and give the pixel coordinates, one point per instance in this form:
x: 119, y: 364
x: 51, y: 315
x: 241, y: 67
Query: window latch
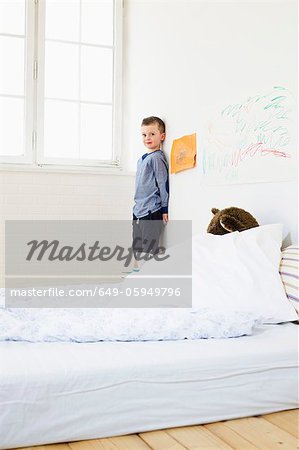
x: 34, y: 140
x: 35, y: 69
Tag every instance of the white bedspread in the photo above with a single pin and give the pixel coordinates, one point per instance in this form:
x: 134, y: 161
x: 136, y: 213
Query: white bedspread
x: 62, y: 391
x: 104, y: 324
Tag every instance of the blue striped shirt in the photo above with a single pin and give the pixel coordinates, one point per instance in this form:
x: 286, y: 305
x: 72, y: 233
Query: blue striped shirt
x: 151, y: 187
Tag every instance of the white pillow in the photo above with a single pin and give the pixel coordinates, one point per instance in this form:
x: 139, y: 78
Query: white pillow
x: 240, y: 271
x: 234, y: 272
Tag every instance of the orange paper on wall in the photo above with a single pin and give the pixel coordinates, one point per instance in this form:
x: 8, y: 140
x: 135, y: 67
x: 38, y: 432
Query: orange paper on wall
x: 183, y: 153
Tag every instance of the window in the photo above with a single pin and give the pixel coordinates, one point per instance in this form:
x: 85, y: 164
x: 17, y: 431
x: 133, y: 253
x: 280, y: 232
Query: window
x: 60, y: 82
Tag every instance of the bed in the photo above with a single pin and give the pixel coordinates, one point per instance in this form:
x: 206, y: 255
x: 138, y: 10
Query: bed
x: 59, y: 392
x: 66, y: 391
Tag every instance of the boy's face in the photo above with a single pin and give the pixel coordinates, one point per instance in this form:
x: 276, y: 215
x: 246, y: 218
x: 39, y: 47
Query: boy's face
x: 152, y: 137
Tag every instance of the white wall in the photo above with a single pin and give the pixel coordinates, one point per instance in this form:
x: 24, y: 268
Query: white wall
x: 62, y: 196
x: 171, y: 48
x: 162, y: 76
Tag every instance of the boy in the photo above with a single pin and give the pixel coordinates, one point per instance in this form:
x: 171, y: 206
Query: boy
x: 150, y: 211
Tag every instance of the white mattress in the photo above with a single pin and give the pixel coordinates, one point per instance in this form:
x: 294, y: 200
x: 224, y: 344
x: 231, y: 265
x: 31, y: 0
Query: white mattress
x: 56, y: 392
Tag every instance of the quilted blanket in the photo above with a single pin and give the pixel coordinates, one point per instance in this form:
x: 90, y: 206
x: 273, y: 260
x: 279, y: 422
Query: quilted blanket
x: 119, y: 324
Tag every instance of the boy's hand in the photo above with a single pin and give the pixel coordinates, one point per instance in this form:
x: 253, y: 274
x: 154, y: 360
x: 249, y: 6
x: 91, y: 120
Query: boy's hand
x: 165, y: 218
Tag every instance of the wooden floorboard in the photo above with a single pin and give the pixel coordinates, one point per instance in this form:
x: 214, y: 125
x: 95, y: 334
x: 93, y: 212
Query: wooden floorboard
x: 131, y: 442
x: 229, y: 436
x: 161, y: 440
x: 192, y: 437
x: 288, y: 421
x: 267, y: 432
x: 261, y: 432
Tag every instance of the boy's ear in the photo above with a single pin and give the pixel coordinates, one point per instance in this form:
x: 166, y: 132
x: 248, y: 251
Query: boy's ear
x: 163, y: 135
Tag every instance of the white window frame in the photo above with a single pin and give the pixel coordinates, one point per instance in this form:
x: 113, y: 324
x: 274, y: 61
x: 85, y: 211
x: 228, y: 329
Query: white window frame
x: 27, y: 156
x: 33, y: 157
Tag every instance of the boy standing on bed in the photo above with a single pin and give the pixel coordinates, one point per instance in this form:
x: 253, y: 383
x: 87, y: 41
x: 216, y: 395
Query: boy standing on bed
x: 151, y: 198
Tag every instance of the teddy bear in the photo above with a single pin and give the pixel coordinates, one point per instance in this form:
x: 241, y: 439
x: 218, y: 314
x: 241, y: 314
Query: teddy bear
x: 231, y: 219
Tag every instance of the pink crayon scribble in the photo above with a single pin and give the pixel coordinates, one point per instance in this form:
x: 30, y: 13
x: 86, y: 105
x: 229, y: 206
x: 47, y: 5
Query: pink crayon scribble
x: 253, y: 150
x: 274, y: 152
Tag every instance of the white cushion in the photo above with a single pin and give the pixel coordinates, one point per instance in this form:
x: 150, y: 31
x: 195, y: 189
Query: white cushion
x: 234, y: 272
x: 240, y: 271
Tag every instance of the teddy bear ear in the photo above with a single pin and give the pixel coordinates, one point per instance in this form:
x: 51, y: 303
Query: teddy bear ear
x: 215, y: 210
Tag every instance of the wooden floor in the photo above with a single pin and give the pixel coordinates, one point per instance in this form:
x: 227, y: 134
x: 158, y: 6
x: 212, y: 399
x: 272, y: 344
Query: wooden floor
x: 271, y: 431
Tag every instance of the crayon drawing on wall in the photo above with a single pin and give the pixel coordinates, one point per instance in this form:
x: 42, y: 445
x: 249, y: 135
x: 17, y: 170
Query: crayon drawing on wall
x: 183, y: 153
x: 252, y: 141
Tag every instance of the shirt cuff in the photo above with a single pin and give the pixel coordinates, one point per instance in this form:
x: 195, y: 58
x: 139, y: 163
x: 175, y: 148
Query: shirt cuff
x: 164, y: 210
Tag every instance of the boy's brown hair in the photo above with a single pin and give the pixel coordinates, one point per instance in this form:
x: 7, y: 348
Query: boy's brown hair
x: 153, y: 119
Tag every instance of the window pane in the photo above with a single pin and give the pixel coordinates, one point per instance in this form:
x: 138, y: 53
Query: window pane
x: 61, y: 125
x: 96, y: 74
x: 12, y: 77
x: 62, y: 70
x: 96, y: 132
x: 97, y: 22
x: 11, y: 126
x: 62, y: 19
x: 12, y: 16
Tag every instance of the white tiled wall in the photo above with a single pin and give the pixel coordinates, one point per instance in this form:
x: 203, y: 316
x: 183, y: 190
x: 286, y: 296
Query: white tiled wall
x: 29, y: 196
